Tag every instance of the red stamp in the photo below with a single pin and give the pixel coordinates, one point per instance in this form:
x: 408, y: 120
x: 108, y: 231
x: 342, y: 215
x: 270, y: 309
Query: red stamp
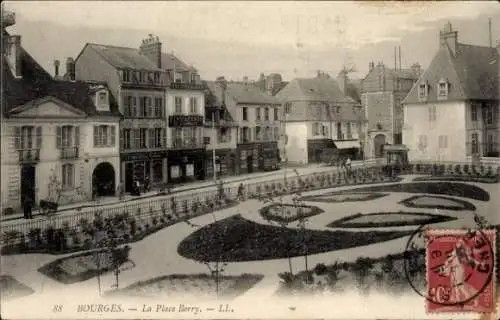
x: 460, y: 270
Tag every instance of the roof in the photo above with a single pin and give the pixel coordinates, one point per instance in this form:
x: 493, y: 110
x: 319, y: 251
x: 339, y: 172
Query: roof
x: 471, y: 73
x: 212, y: 101
x: 123, y: 57
x: 36, y: 83
x: 353, y: 89
x: 249, y: 94
x: 170, y: 62
x: 322, y: 88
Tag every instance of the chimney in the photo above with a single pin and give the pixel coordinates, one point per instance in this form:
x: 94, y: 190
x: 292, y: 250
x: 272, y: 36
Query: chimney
x: 416, y: 68
x: 371, y: 65
x: 448, y: 38
x: 151, y: 49
x: 70, y: 69
x: 220, y: 89
x: 56, y: 68
x: 342, y: 81
x: 13, y: 54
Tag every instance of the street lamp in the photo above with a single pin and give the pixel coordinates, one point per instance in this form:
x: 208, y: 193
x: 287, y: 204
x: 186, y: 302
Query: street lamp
x: 87, y: 161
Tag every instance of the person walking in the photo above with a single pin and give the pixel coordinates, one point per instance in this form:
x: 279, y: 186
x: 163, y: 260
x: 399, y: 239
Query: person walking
x: 28, y: 207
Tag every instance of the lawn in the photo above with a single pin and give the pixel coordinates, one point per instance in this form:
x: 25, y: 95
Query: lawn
x: 237, y: 239
x: 288, y: 212
x: 388, y: 219
x: 455, y: 189
x: 437, y: 202
x: 10, y: 288
x: 190, y: 285
x: 344, y: 197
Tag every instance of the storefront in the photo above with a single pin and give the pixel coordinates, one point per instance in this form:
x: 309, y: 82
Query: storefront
x: 186, y: 165
x: 258, y: 156
x: 348, y: 149
x: 144, y: 167
x: 225, y: 163
x: 318, y: 150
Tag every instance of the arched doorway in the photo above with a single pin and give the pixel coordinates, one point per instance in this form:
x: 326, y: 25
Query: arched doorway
x: 103, y: 180
x: 378, y: 144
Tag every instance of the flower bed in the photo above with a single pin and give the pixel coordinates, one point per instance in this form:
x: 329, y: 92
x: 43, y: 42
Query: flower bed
x: 479, y: 179
x: 388, y: 219
x: 467, y: 170
x: 455, y: 189
x: 237, y: 239
x: 190, y: 285
x: 288, y: 212
x: 344, y: 197
x: 436, y: 202
x: 84, y: 266
x: 10, y: 288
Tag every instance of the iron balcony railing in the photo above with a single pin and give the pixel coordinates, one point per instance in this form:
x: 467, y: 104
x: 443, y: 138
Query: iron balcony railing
x: 69, y: 153
x: 183, y: 144
x: 29, y: 155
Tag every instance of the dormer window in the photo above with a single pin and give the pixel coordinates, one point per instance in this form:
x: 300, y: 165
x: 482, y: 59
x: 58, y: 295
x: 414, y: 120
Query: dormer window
x: 423, y: 90
x: 178, y: 77
x: 102, y: 100
x: 443, y: 89
x: 193, y: 78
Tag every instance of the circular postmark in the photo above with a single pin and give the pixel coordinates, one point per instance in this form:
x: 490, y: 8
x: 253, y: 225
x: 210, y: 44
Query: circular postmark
x: 450, y: 267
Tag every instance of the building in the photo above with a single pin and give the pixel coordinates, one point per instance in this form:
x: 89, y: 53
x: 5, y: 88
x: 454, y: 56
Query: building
x: 382, y: 91
x: 136, y: 78
x: 59, y: 138
x: 221, y: 134
x: 320, y: 121
x: 185, y: 114
x: 257, y: 115
x: 452, y: 113
x: 271, y: 84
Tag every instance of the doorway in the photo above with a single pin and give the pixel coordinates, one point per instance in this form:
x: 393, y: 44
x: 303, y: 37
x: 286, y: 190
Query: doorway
x: 129, y: 176
x: 28, y: 183
x: 250, y: 164
x: 378, y: 144
x: 103, y: 180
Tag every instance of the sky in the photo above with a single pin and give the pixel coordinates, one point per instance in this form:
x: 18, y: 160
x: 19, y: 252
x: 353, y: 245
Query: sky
x: 293, y: 38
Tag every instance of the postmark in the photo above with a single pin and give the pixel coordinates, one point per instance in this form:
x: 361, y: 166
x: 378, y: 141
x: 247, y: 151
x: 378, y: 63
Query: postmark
x: 460, y: 267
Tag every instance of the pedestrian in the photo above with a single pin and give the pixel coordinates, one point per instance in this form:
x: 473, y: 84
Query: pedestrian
x: 348, y: 165
x: 28, y: 207
x: 137, y: 188
x: 240, y: 191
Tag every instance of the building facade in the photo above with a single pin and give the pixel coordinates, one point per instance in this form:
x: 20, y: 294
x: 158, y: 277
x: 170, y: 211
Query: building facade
x: 136, y: 78
x: 53, y: 143
x: 320, y: 121
x: 452, y: 113
x: 383, y: 90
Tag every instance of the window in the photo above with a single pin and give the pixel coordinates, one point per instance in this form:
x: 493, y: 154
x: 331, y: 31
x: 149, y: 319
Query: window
x: 316, y: 129
x: 489, y: 113
x: 340, y: 136
x: 158, y: 107
x: 257, y: 114
x: 268, y: 134
x: 68, y: 174
x: 324, y: 131
x: 473, y: 112
x: 127, y: 139
x: 258, y: 133
x: 244, y: 111
x: 245, y: 134
x: 125, y: 75
x: 474, y: 143
x: 104, y: 136
x: 337, y: 110
x: 348, y: 129
x: 143, y: 105
x: 178, y: 77
x: 142, y: 138
x: 127, y: 108
x: 442, y: 89
x: 276, y: 133
x: 443, y: 142
x: 422, y: 90
x: 66, y: 137
x: 422, y: 142
x: 156, y: 138
x: 288, y: 108
x: 432, y: 113
x: 24, y: 138
x: 103, y: 98
x: 194, y: 78
x: 157, y: 166
x: 178, y: 105
x: 490, y: 143
x: 276, y: 114
x: 266, y: 114
x: 224, y: 135
x: 193, y: 105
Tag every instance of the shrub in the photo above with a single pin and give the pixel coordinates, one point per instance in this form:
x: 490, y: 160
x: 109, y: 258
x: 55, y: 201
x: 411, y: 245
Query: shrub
x: 133, y: 226
x: 320, y: 269
x: 154, y: 221
x: 457, y: 169
x: 185, y: 207
x: 466, y: 168
x: 8, y: 211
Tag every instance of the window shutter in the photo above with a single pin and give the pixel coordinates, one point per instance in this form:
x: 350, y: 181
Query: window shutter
x: 164, y: 137
x: 112, y: 135
x: 137, y: 138
x: 77, y: 136
x: 151, y: 138
x: 96, y: 138
x: 38, y: 137
x: 122, y: 141
x: 59, y: 137
x: 17, y: 138
x: 132, y: 138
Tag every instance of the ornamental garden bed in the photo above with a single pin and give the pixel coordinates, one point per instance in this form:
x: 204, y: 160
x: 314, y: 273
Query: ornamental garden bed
x: 437, y: 202
x: 344, y: 197
x: 126, y: 227
x: 177, y: 285
x: 236, y: 239
x: 87, y: 265
x: 479, y: 179
x: 285, y: 213
x: 10, y: 288
x: 388, y: 219
x: 455, y: 189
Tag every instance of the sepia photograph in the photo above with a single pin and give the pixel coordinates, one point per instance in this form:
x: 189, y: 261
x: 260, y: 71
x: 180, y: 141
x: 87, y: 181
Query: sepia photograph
x: 250, y: 160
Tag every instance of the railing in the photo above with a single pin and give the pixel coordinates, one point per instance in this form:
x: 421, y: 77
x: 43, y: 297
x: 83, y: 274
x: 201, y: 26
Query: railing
x: 69, y: 153
x: 187, y: 144
x: 187, y: 86
x: 29, y: 155
x: 220, y: 123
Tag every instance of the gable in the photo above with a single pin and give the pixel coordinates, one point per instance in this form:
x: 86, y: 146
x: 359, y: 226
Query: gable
x: 48, y: 107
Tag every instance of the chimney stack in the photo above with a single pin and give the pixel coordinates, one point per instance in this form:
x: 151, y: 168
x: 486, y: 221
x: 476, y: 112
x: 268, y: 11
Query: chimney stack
x: 13, y: 54
x: 448, y: 38
x: 342, y: 80
x: 70, y: 69
x: 220, y: 89
x: 371, y: 65
x: 416, y: 68
x: 151, y: 49
x: 56, y: 68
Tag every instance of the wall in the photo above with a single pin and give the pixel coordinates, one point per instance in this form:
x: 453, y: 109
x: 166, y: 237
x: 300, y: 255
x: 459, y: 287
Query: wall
x: 379, y: 109
x: 296, y: 147
x: 450, y: 122
x: 185, y: 94
x: 211, y: 133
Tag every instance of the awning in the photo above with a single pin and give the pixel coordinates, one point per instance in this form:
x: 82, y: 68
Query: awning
x: 349, y: 144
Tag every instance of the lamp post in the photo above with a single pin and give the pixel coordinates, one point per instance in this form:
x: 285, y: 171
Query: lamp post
x: 213, y: 148
x: 87, y: 161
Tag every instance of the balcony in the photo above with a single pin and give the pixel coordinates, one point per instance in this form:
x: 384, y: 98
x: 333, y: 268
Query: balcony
x: 194, y: 120
x: 220, y: 123
x: 186, y: 144
x: 187, y: 86
x: 27, y: 156
x: 68, y: 153
x: 8, y: 18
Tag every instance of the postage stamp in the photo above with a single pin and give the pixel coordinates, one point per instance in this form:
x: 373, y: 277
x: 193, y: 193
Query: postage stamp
x: 460, y: 270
